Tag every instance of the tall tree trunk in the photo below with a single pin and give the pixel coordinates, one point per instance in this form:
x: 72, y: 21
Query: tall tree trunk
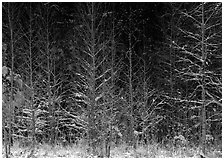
x: 113, y: 51
x: 92, y: 126
x: 93, y: 53
x: 130, y: 130
x: 49, y: 71
x: 31, y: 79
x: 11, y: 107
x: 203, y: 109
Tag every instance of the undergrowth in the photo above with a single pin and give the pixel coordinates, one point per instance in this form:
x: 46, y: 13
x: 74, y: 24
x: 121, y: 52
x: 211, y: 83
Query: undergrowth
x: 80, y: 150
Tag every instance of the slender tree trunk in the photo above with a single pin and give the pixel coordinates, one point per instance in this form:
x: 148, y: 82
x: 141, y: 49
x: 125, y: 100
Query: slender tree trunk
x: 203, y: 109
x: 112, y: 80
x: 104, y: 109
x: 31, y: 80
x: 92, y: 127
x: 49, y: 70
x: 171, y: 56
x: 130, y: 130
x: 11, y: 107
x: 5, y: 139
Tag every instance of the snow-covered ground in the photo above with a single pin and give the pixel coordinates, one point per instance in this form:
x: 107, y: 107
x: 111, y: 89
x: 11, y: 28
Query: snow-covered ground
x: 121, y: 151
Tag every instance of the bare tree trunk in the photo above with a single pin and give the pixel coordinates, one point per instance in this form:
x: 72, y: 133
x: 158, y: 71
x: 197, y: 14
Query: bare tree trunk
x: 171, y: 56
x: 92, y: 126
x: 5, y: 139
x: 104, y: 129
x: 47, y: 43
x: 31, y: 80
x: 11, y: 108
x: 145, y: 79
x: 130, y: 130
x: 203, y: 109
x: 113, y: 52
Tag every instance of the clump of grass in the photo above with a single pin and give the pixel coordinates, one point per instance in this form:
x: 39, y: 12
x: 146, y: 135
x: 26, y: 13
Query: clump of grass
x: 141, y: 152
x: 118, y: 151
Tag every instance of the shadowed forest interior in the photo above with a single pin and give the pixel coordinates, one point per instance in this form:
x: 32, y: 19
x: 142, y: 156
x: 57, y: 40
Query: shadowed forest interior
x: 104, y: 75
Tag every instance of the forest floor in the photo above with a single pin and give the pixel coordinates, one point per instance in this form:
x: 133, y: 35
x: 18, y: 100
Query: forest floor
x: 121, y: 151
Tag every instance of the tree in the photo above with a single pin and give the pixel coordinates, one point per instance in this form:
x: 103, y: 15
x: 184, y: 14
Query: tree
x: 92, y: 36
x: 199, y: 48
x: 130, y: 33
x: 31, y: 73
x: 11, y: 37
x: 168, y: 55
x: 46, y: 37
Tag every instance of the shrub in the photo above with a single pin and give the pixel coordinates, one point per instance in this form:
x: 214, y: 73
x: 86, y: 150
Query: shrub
x: 180, y: 140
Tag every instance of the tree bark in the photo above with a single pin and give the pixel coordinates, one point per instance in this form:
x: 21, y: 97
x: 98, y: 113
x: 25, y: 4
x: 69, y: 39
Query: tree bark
x: 203, y: 109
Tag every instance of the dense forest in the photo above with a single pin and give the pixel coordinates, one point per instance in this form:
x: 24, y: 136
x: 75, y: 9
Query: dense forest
x: 110, y: 74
